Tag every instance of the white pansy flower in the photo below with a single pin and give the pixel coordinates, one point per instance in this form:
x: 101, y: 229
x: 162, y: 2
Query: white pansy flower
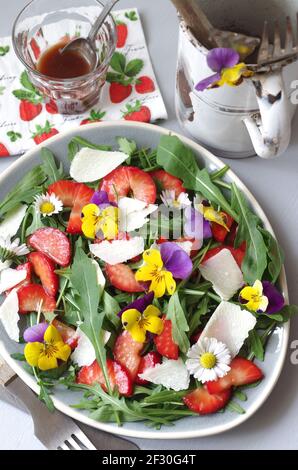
x: 47, y: 204
x: 208, y: 360
x: 169, y: 199
x: 9, y: 249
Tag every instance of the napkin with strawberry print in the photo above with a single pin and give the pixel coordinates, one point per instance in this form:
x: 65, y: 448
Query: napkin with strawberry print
x: 131, y: 92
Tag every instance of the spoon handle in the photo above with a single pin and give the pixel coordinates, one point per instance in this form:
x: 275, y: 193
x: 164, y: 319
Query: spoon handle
x: 95, y: 28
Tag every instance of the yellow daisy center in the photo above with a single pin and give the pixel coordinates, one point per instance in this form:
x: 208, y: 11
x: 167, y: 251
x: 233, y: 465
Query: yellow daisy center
x: 208, y: 360
x: 47, y: 207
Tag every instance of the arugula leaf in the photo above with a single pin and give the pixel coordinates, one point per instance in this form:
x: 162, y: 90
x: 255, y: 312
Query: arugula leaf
x: 83, y: 278
x: 111, y: 309
x: 18, y: 357
x: 180, y: 161
x: 126, y: 146
x: 284, y: 315
x: 50, y: 168
x: 275, y: 254
x: 255, y: 260
x: 36, y: 222
x: 195, y: 319
x: 233, y: 406
x: 25, y: 190
x: 256, y: 346
x: 176, y: 314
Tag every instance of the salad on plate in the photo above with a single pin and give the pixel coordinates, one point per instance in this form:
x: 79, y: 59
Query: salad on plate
x: 140, y: 279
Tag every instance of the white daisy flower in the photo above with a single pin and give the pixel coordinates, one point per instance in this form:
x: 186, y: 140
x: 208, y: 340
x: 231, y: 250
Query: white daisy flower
x: 209, y: 360
x: 169, y: 199
x: 9, y: 249
x: 47, y: 204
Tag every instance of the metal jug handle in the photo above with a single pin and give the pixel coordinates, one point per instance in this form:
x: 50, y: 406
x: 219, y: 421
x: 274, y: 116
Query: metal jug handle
x: 270, y: 129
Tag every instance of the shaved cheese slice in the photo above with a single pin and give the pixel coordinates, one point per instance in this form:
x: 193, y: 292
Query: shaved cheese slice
x: 91, y: 164
x: 101, y: 280
x: 12, y: 221
x: 224, y: 274
x: 186, y: 246
x: 118, y: 251
x: 170, y: 374
x: 84, y: 354
x: 9, y: 278
x: 230, y: 325
x: 133, y: 214
x: 9, y: 315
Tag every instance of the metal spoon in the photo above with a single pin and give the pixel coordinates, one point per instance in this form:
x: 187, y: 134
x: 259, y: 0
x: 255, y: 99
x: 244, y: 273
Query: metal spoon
x: 86, y: 46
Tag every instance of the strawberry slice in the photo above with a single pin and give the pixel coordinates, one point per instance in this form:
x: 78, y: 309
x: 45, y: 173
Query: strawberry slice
x: 238, y: 253
x: 127, y: 353
x: 243, y: 372
x: 53, y: 243
x: 122, y: 277
x: 118, y: 376
x: 28, y: 279
x: 69, y: 335
x: 219, y: 232
x: 164, y: 342
x: 168, y: 181
x: 202, y: 402
x: 44, y: 268
x: 30, y: 297
x: 74, y: 195
x: 129, y: 181
x: 147, y: 362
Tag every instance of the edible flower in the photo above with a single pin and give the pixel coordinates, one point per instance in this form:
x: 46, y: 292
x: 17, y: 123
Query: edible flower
x: 276, y: 300
x: 138, y: 323
x: 47, y: 204
x: 208, y: 360
x: 225, y: 63
x: 252, y: 297
x: 161, y: 267
x: 209, y: 213
x: 11, y: 249
x: 98, y: 220
x: 169, y: 199
x: 101, y: 199
x: 45, y: 355
x: 35, y: 333
x: 196, y: 226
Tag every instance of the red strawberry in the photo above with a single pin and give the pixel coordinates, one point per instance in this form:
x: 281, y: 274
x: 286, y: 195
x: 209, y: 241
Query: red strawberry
x: 35, y: 48
x: 127, y: 353
x: 31, y: 296
x: 231, y: 236
x: 69, y: 335
x: 28, y: 279
x: 118, y: 376
x: 52, y: 107
x: 119, y: 92
x: 167, y: 181
x: 53, y: 243
x: 122, y: 277
x: 122, y: 33
x: 3, y: 151
x: 44, y: 268
x: 29, y: 111
x: 219, y: 232
x: 137, y: 113
x: 164, y: 342
x: 238, y: 253
x: 243, y: 372
x: 147, y: 362
x: 74, y: 195
x: 129, y: 180
x: 145, y: 85
x: 95, y: 116
x: 44, y: 133
x: 202, y: 402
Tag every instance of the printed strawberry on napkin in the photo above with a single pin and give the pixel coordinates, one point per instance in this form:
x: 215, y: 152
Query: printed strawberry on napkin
x: 26, y: 121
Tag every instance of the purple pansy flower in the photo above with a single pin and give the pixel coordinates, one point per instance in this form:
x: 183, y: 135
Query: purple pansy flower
x: 275, y: 298
x: 101, y: 199
x: 139, y: 304
x: 35, y: 333
x: 175, y: 260
x: 218, y: 59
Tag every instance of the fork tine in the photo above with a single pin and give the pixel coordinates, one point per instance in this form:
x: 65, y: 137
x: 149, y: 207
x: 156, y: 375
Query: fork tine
x: 63, y: 447
x: 277, y: 40
x: 290, y: 42
x: 264, y: 47
x: 81, y: 438
x: 73, y: 444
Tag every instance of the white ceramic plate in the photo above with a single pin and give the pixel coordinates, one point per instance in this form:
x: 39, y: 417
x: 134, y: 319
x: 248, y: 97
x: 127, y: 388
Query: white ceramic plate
x: 148, y: 136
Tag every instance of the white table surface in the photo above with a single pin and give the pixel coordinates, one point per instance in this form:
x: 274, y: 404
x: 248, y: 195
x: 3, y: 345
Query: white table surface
x: 275, y: 185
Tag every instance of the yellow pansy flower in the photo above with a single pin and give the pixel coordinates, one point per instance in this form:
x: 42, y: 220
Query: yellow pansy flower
x: 212, y: 215
x: 95, y: 220
x: 233, y: 75
x: 137, y: 323
x: 45, y: 355
x: 153, y: 270
x: 252, y: 297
